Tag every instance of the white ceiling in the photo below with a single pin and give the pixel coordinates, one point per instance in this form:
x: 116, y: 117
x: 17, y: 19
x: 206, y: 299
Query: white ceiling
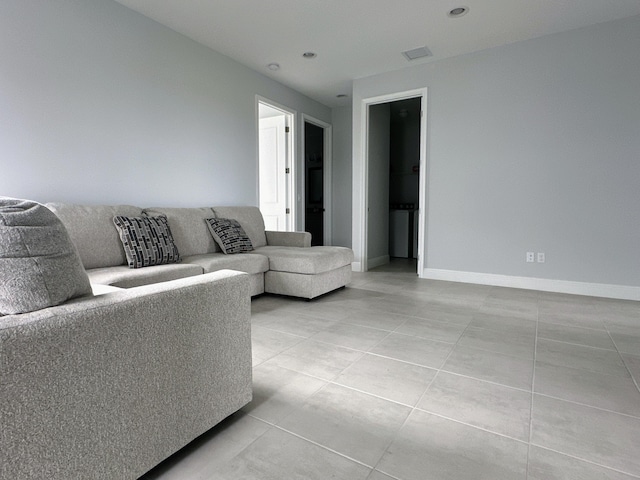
x: 358, y: 38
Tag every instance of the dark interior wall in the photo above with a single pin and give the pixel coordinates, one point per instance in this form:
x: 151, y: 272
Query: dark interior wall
x: 404, y: 152
x: 314, y: 182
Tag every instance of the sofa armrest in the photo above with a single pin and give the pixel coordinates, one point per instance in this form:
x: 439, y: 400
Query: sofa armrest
x: 288, y: 239
x: 108, y: 386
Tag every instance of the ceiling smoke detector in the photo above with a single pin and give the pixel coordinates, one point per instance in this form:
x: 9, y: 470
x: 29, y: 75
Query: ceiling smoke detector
x: 417, y: 53
x: 309, y: 55
x: 458, y: 12
x: 273, y: 66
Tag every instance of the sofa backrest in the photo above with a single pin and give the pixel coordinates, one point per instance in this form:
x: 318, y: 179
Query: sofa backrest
x: 250, y: 218
x: 189, y: 229
x: 92, y: 231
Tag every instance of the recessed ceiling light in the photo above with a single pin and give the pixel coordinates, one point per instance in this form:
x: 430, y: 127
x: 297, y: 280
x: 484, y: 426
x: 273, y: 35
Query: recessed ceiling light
x: 458, y: 12
x: 341, y: 95
x: 273, y: 66
x: 309, y: 55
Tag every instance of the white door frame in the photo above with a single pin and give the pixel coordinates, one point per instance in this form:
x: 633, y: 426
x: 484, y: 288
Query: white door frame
x: 291, y: 157
x: 327, y: 179
x: 360, y: 199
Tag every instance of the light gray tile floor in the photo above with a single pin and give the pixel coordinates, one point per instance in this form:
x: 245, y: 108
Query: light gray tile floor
x: 397, y: 378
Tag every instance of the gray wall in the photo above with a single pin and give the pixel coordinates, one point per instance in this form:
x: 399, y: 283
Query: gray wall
x: 533, y: 146
x: 99, y: 104
x: 378, y: 223
x: 342, y: 176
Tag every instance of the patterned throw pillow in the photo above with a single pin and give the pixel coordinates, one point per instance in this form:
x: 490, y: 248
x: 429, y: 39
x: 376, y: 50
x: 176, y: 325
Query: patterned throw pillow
x: 229, y: 235
x: 147, y: 241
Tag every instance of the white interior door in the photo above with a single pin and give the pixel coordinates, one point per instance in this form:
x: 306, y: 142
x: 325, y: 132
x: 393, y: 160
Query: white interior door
x: 273, y: 177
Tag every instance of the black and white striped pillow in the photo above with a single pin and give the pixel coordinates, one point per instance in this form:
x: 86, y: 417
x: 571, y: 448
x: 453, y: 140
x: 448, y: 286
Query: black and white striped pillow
x: 229, y: 235
x: 147, y: 241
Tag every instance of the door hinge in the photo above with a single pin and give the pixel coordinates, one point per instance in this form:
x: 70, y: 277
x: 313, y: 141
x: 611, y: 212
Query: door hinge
x: 287, y: 211
x: 287, y: 170
x: 286, y: 129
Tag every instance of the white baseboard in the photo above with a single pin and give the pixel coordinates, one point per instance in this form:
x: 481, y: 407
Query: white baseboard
x: 622, y: 292
x: 356, y: 266
x: 376, y: 262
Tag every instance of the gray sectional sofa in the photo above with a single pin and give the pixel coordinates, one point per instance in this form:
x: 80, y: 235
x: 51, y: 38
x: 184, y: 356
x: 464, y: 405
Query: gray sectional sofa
x: 281, y: 263
x: 107, y: 385
x: 107, y: 370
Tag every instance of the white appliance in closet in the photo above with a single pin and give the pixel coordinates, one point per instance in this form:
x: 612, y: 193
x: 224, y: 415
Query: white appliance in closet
x: 403, y: 232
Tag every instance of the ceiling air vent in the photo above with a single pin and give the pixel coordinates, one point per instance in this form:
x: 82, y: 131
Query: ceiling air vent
x: 417, y: 53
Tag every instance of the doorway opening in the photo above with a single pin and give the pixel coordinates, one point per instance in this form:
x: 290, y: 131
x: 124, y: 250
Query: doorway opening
x: 276, y: 185
x: 317, y: 180
x: 404, y: 180
x: 389, y: 214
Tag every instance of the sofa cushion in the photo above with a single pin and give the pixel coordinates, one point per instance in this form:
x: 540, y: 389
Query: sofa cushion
x: 310, y: 260
x: 147, y: 241
x: 124, y: 277
x: 91, y: 230
x: 39, y: 265
x: 189, y: 229
x: 250, y: 218
x: 243, y: 262
x: 228, y: 233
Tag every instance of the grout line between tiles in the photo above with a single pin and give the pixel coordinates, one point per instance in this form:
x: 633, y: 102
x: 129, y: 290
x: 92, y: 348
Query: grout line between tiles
x: 620, y: 354
x: 591, y: 462
x: 521, y: 357
x: 279, y: 331
x: 333, y: 382
x: 533, y: 384
x: 635, y: 417
x: 393, y: 477
x: 471, y: 425
x: 302, y: 339
x: 578, y: 327
x: 323, y: 446
x: 525, y: 390
x: 578, y: 344
x: 405, y: 361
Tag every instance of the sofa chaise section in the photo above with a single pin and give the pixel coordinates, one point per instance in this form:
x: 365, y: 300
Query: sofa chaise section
x: 295, y: 268
x: 306, y: 272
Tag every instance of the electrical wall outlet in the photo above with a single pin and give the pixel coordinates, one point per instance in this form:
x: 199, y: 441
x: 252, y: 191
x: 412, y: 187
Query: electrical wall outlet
x: 530, y: 257
x: 540, y: 257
